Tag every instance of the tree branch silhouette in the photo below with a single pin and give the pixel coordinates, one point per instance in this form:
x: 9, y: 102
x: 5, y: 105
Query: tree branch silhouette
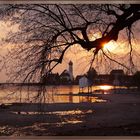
x: 46, y: 32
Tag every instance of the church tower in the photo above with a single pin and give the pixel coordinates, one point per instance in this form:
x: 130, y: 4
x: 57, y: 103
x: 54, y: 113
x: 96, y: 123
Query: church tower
x: 71, y: 70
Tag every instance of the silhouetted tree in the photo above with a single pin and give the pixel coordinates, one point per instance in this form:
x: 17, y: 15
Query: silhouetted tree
x: 91, y: 74
x: 46, y: 32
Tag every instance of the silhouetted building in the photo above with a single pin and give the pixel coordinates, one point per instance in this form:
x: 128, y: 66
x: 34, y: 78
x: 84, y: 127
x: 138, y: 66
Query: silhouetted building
x: 53, y: 79
x: 66, y: 77
x: 128, y: 80
x: 77, y: 79
x: 117, y: 77
x: 71, y: 70
x: 103, y: 79
x: 117, y: 72
x: 83, y: 81
x: 136, y: 79
x: 91, y: 75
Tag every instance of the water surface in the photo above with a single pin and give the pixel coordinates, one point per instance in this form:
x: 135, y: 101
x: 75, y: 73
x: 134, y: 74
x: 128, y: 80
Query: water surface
x: 53, y: 94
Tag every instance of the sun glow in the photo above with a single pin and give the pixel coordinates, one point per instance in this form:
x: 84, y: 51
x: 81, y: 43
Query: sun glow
x: 106, y: 87
x: 110, y: 46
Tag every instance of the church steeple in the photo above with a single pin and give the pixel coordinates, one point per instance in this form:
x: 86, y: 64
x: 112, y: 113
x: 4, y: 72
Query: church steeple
x: 70, y: 63
x: 71, y: 70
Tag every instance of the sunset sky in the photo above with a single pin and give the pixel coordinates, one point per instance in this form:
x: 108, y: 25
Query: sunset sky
x: 80, y: 57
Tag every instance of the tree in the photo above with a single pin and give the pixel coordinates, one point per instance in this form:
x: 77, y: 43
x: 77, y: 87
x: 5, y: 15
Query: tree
x: 46, y: 32
x: 91, y: 74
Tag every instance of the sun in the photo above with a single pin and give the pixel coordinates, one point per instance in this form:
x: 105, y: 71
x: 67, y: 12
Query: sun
x: 110, y: 46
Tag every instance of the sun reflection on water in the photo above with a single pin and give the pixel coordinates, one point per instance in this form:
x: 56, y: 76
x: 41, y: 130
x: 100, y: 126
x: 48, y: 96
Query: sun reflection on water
x: 106, y: 87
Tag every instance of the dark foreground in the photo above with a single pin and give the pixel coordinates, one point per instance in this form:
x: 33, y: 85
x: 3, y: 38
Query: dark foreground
x: 119, y: 116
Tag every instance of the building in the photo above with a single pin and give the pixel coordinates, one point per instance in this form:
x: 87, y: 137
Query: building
x: 52, y: 79
x: 76, y: 81
x: 117, y: 72
x: 71, y: 70
x: 83, y: 82
x: 117, y: 77
x: 102, y: 79
x: 66, y: 77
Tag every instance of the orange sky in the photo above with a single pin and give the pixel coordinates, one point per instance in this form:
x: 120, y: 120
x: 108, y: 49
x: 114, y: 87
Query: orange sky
x: 80, y: 57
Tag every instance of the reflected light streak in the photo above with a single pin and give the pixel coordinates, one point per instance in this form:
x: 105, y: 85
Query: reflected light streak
x: 106, y: 87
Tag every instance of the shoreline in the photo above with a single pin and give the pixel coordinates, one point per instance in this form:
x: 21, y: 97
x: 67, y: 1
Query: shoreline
x: 118, y: 116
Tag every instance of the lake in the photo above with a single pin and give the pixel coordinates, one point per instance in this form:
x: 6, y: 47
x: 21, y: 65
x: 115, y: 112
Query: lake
x: 53, y: 94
